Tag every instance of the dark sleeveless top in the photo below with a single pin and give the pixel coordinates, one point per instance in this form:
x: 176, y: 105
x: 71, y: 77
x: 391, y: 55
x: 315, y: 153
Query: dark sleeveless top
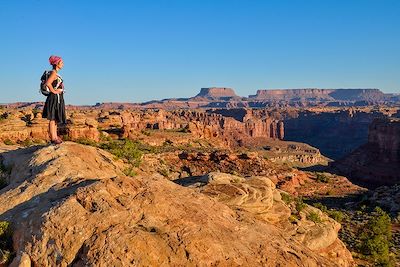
x: 54, y: 107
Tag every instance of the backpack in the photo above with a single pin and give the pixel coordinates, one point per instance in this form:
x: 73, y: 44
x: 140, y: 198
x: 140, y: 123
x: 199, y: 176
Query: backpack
x: 43, y: 88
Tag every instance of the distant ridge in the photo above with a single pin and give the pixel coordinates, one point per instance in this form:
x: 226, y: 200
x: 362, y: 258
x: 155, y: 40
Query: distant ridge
x: 225, y: 97
x: 216, y: 92
x: 320, y: 94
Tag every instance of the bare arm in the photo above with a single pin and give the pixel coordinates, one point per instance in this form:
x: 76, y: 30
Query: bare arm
x: 49, y: 82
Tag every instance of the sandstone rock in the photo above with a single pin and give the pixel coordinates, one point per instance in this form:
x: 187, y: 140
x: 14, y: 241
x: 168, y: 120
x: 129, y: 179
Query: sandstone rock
x: 258, y: 196
x: 71, y: 206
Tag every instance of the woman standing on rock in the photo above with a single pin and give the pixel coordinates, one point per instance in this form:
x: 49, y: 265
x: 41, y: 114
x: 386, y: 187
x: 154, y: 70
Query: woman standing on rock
x: 54, y: 108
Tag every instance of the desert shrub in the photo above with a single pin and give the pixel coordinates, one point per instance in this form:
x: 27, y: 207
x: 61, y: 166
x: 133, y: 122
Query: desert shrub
x: 129, y: 171
x: 126, y: 150
x: 300, y: 205
x: 8, y: 142
x: 286, y: 198
x: 86, y: 142
x: 376, y: 237
x: 5, y: 242
x: 314, y: 217
x: 334, y: 214
x: 322, y: 178
x: 104, y: 137
x: 30, y: 142
x: 337, y: 215
x: 320, y: 206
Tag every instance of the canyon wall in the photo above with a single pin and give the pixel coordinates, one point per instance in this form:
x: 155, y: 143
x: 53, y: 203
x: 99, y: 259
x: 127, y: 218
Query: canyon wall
x: 26, y: 124
x: 336, y: 133
x: 376, y: 162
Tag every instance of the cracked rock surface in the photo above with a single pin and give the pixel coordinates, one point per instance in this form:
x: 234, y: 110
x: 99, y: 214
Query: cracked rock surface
x: 70, y: 205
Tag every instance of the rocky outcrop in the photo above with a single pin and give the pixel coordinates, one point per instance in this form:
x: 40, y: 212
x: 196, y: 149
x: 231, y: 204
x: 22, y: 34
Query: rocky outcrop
x: 70, y: 205
x: 378, y: 161
x: 258, y: 196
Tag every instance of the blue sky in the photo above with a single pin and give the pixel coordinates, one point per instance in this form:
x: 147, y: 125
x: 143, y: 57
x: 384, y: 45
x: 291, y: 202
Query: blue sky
x: 134, y: 51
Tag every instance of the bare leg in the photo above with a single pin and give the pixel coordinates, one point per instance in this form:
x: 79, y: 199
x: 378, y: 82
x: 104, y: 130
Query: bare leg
x: 53, y: 130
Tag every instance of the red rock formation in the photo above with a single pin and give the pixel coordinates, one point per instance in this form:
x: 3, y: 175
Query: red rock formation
x: 281, y: 130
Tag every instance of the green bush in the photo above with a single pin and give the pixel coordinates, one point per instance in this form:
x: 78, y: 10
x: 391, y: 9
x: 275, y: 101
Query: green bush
x: 5, y: 242
x: 86, y: 142
x: 336, y: 215
x: 322, y: 178
x: 104, y: 137
x: 300, y: 205
x: 376, y: 237
x: 30, y: 142
x: 126, y: 150
x: 130, y: 171
x: 286, y: 198
x: 8, y: 142
x: 320, y: 206
x: 314, y: 217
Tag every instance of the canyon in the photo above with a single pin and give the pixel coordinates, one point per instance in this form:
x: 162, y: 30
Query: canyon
x: 174, y: 176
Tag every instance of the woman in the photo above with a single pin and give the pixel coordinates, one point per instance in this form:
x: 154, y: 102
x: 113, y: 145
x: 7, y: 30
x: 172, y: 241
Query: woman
x: 54, y: 108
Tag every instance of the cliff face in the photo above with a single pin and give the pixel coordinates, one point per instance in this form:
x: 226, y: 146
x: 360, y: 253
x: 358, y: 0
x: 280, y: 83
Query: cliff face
x: 22, y: 125
x: 336, y: 133
x: 378, y: 161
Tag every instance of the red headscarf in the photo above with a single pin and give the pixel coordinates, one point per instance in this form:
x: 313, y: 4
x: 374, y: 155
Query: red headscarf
x: 54, y: 60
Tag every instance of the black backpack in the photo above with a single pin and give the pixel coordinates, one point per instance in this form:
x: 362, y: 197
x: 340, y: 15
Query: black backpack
x: 43, y: 88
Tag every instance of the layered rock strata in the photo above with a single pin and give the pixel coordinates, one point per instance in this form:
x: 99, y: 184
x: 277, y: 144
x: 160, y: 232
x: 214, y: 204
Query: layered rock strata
x: 258, y: 196
x: 21, y: 125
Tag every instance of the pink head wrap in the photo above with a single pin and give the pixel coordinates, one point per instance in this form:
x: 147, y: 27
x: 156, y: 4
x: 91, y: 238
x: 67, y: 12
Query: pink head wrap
x: 54, y: 60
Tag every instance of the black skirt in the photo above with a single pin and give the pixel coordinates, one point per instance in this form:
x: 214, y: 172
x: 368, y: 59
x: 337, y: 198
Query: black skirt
x: 54, y: 108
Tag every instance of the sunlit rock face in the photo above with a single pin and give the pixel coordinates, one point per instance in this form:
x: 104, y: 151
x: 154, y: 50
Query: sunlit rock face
x: 71, y: 205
